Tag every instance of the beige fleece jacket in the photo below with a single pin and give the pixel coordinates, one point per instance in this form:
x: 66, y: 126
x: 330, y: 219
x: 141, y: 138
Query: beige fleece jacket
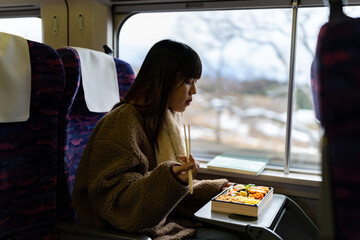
x: 119, y: 184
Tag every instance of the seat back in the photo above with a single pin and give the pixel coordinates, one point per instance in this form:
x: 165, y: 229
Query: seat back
x: 28, y: 149
x: 336, y: 92
x: 75, y: 126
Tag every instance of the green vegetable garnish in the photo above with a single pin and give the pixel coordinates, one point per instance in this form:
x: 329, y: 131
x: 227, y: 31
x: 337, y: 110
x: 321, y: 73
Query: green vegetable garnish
x: 249, y: 185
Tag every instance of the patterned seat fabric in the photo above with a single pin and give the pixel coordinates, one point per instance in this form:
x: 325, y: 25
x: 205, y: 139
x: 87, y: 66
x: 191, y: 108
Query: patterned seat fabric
x: 28, y: 168
x: 75, y: 126
x: 336, y: 93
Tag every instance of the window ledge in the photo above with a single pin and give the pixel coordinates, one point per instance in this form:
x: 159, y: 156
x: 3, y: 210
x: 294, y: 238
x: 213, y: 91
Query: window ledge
x: 293, y: 184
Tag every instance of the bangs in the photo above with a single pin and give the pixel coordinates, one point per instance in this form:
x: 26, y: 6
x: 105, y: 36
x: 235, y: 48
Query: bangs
x: 192, y: 67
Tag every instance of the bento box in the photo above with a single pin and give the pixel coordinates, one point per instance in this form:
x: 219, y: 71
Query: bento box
x: 248, y: 200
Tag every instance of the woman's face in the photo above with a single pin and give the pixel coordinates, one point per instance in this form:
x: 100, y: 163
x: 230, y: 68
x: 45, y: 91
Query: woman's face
x: 181, y: 96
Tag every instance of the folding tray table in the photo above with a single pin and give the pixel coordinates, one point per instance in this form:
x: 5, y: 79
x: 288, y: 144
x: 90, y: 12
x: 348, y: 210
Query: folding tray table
x: 263, y: 226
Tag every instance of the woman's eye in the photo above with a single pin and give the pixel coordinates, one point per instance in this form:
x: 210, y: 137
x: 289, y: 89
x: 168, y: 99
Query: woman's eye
x: 188, y: 82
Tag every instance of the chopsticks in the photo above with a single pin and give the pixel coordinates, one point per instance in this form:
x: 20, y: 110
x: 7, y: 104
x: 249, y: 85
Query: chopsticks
x: 188, y: 152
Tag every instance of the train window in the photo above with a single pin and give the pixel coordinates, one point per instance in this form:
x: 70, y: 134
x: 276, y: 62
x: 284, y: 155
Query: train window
x: 241, y: 104
x: 306, y: 136
x: 306, y: 129
x: 26, y: 27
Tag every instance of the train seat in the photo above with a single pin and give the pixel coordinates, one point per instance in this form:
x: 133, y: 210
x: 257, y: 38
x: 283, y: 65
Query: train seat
x: 336, y: 88
x: 75, y: 126
x: 28, y: 147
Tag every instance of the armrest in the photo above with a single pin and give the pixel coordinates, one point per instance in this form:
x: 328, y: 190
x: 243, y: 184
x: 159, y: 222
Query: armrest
x: 256, y: 232
x: 303, y: 219
x: 69, y: 231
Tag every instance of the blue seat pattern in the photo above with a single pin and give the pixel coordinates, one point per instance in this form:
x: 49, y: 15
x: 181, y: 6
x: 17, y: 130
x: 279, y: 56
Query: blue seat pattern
x: 28, y: 169
x: 75, y: 126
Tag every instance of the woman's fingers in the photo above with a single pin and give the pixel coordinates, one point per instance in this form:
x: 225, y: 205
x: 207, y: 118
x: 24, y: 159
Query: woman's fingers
x: 183, y: 168
x: 183, y: 158
x: 195, y: 166
x: 191, y: 158
x: 182, y: 171
x: 227, y: 185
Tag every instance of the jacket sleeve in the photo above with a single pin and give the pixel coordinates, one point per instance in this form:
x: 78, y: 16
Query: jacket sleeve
x: 204, y: 191
x: 120, y: 188
x: 207, y: 189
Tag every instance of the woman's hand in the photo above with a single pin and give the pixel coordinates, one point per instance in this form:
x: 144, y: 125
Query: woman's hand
x: 182, y: 171
x: 227, y: 185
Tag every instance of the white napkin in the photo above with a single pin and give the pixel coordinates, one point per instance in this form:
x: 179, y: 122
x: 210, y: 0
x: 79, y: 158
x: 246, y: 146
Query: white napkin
x: 99, y: 79
x: 15, y: 78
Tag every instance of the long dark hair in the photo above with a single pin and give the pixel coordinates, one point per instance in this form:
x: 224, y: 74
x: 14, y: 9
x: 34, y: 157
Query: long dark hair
x: 165, y: 66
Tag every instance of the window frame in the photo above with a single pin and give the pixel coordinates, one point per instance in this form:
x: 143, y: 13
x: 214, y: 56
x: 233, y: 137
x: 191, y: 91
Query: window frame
x: 17, y: 11
x: 304, y: 183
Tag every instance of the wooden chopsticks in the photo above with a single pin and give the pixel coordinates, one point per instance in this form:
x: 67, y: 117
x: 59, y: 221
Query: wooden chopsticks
x: 188, y: 152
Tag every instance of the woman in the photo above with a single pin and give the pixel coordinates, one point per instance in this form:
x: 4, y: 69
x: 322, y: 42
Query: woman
x: 130, y: 176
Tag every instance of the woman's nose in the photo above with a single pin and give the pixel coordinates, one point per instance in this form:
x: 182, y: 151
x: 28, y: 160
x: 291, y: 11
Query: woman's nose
x: 193, y: 88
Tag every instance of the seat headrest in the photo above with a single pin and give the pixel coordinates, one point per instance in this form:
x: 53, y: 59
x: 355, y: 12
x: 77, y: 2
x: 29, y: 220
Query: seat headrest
x: 99, y: 79
x: 15, y: 78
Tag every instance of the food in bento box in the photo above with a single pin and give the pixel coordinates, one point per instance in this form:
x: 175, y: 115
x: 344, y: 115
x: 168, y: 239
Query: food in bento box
x: 249, y: 200
x: 249, y: 194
